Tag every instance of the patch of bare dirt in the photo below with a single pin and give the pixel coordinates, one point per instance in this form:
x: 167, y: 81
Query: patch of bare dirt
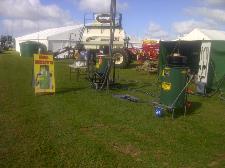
x: 127, y: 150
x: 217, y: 161
x: 88, y: 128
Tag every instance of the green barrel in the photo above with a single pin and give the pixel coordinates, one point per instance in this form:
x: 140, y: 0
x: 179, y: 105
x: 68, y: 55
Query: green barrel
x: 173, y: 81
x: 29, y: 48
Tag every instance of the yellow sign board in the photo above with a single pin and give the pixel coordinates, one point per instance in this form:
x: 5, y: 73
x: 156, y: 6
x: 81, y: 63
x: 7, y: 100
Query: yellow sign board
x: 166, y: 86
x: 44, y: 78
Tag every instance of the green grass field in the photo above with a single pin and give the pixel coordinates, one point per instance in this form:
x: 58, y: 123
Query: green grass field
x: 81, y: 127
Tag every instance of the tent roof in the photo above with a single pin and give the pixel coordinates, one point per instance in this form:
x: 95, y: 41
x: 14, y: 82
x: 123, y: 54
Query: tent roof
x: 44, y: 34
x: 204, y: 34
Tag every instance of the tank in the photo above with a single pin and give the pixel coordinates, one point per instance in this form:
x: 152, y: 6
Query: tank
x: 173, y: 81
x: 28, y: 48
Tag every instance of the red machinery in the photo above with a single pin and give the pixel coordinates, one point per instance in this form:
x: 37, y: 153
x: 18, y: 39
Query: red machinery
x: 150, y: 49
x: 148, y: 56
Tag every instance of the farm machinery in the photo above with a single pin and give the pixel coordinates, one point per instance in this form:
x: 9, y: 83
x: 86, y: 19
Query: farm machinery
x: 100, y: 44
x: 106, y: 46
x: 6, y: 42
x: 97, y: 38
x: 95, y: 35
x: 147, y: 55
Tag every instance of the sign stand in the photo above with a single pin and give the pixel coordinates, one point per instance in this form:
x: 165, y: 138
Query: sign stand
x: 43, y: 76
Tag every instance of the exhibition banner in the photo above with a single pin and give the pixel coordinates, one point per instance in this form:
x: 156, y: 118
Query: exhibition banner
x: 44, y: 78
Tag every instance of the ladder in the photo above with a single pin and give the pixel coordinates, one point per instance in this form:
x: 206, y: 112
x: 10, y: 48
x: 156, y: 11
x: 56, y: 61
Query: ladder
x: 81, y: 32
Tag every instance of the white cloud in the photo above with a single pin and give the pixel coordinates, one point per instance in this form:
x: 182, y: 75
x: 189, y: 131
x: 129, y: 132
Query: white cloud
x: 99, y: 5
x: 210, y: 13
x: 155, y: 31
x: 212, y: 2
x: 183, y: 27
x: 25, y: 16
x: 207, y: 14
x: 95, y: 5
x: 24, y: 26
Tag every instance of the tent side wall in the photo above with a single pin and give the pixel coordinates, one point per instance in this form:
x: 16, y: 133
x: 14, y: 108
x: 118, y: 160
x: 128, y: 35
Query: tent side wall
x: 17, y: 41
x: 54, y: 39
x: 64, y: 39
x: 55, y: 45
x: 217, y: 63
x: 74, y: 34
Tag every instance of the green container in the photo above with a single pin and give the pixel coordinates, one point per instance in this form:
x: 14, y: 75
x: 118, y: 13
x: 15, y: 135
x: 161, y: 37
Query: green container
x: 173, y: 81
x: 29, y: 48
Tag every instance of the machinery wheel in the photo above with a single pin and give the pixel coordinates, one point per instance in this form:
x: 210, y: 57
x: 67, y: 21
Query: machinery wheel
x: 122, y: 58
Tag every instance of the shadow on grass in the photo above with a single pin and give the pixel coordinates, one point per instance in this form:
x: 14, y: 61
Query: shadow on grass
x: 68, y: 90
x: 130, y: 66
x: 126, y: 86
x: 4, y: 53
x: 190, y: 111
x: 194, y: 107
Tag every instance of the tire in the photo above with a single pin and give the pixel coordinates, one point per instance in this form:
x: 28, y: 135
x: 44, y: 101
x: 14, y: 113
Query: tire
x: 177, y: 60
x: 122, y: 58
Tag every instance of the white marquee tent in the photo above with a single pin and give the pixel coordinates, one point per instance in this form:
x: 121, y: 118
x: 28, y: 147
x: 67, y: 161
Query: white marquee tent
x: 54, y: 38
x: 204, y: 34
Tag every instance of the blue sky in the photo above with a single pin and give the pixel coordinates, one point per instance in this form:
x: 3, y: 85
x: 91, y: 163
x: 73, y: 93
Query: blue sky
x: 142, y: 18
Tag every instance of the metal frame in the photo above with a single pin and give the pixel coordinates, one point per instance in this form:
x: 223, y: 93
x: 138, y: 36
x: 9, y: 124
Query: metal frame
x: 172, y: 108
x: 169, y: 108
x: 90, y: 17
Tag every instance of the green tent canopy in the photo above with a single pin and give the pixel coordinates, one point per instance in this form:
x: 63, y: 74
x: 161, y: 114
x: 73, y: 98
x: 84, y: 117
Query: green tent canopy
x: 192, y: 50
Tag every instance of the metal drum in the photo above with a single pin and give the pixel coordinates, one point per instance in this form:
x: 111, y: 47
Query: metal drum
x: 173, y: 80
